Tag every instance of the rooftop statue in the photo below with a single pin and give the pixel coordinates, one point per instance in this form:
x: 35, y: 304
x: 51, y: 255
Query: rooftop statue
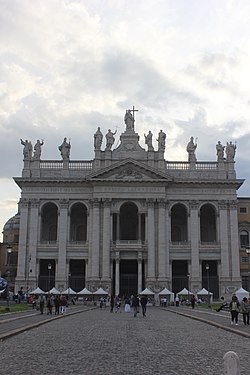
x: 98, y: 137
x: 220, y: 151
x: 191, y: 147
x: 148, y: 141
x: 38, y: 149
x: 161, y: 141
x: 110, y: 139
x: 27, y: 150
x: 230, y: 151
x: 65, y: 149
x: 129, y: 120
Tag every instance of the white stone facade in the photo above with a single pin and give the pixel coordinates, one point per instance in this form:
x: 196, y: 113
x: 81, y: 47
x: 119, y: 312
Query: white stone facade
x: 129, y: 218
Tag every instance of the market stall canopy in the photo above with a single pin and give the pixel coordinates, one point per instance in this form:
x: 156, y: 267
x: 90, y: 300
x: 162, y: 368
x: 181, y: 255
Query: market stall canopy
x: 85, y: 291
x: 241, y: 293
x: 147, y: 292
x: 203, y: 292
x: 1, y: 291
x: 165, y: 292
x: 68, y: 291
x: 100, y: 292
x: 184, y: 292
x: 37, y: 291
x: 54, y: 291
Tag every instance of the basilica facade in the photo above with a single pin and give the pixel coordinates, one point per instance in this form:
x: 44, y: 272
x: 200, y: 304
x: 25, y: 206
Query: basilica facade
x: 128, y: 219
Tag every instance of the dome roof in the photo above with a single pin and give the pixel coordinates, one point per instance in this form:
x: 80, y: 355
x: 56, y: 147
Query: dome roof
x: 12, y: 223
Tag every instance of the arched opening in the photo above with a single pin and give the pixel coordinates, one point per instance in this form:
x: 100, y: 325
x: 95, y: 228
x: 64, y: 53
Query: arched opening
x: 49, y: 219
x: 129, y: 221
x: 244, y: 238
x: 179, y: 223
x: 78, y: 222
x: 208, y: 223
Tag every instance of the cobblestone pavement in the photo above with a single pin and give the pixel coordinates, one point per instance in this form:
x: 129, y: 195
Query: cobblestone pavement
x: 97, y: 342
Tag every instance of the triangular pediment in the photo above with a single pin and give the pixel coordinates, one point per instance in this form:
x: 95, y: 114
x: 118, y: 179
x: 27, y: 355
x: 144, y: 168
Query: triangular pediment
x: 129, y: 170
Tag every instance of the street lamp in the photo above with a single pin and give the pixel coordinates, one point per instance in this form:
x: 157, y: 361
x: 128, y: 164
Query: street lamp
x: 49, y: 269
x: 9, y: 251
x: 248, y: 272
x: 188, y: 276
x: 207, y: 269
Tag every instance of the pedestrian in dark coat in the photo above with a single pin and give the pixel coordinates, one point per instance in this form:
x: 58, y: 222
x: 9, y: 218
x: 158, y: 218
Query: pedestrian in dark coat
x: 135, y: 305
x: 144, y: 302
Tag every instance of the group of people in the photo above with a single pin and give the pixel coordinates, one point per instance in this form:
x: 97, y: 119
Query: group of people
x: 237, y: 307
x: 53, y: 303
x: 134, y: 302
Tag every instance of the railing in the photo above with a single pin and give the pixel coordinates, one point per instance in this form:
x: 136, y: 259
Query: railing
x: 51, y: 164
x: 58, y: 164
x: 187, y: 166
x: 78, y: 164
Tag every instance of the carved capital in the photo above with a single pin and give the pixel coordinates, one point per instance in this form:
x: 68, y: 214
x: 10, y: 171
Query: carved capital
x: 107, y: 202
x: 95, y: 202
x: 64, y: 203
x: 150, y: 202
x: 223, y: 204
x: 193, y: 205
x: 24, y: 203
x: 161, y: 203
x: 34, y: 202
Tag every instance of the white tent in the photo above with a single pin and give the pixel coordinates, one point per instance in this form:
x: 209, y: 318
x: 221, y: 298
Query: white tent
x: 147, y: 292
x: 165, y: 292
x: 241, y: 293
x: 68, y: 291
x: 85, y: 292
x: 1, y: 291
x: 205, y: 292
x: 184, y: 292
x: 37, y: 291
x: 100, y: 292
x: 53, y: 291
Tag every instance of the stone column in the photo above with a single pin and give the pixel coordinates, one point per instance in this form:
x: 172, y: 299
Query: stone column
x: 151, y: 239
x: 61, y: 271
x: 139, y: 272
x: 106, y: 240
x: 95, y: 252
x: 223, y: 219
x: 117, y: 227
x: 194, y: 239
x: 168, y: 231
x: 235, y: 259
x: 162, y: 240
x: 139, y: 227
x: 34, y: 235
x: 23, y: 235
x: 117, y: 275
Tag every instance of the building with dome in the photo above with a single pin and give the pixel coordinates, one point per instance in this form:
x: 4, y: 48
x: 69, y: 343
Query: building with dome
x: 129, y: 219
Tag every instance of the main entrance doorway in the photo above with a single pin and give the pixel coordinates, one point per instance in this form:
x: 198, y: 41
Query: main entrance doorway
x: 128, y: 277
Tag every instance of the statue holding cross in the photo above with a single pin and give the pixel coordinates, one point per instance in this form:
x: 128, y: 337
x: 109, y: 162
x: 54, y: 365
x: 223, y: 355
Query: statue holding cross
x: 129, y: 118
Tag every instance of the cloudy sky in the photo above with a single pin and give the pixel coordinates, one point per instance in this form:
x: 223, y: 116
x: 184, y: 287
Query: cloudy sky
x: 68, y: 66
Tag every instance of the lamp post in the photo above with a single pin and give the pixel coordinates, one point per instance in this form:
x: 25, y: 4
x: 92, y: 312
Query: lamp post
x: 188, y: 276
x: 207, y: 269
x: 28, y: 276
x: 248, y: 270
x: 9, y: 251
x: 49, y: 269
x: 69, y: 276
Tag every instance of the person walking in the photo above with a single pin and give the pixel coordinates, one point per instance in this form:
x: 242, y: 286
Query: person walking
x: 245, y: 309
x: 41, y: 301
x: 135, y: 305
x: 144, y: 302
x: 57, y: 305
x: 234, y: 307
x: 63, y: 304
x: 112, y: 303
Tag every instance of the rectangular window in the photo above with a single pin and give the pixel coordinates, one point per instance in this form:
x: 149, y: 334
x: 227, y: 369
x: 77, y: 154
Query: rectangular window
x: 244, y: 259
x: 243, y: 210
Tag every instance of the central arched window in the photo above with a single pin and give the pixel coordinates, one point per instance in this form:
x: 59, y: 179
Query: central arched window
x: 129, y: 221
x: 244, y: 238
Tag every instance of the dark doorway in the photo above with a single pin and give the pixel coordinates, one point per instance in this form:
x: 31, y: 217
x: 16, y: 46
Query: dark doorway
x: 180, y: 277
x: 128, y: 277
x: 210, y: 278
x: 46, y: 280
x: 76, y: 277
